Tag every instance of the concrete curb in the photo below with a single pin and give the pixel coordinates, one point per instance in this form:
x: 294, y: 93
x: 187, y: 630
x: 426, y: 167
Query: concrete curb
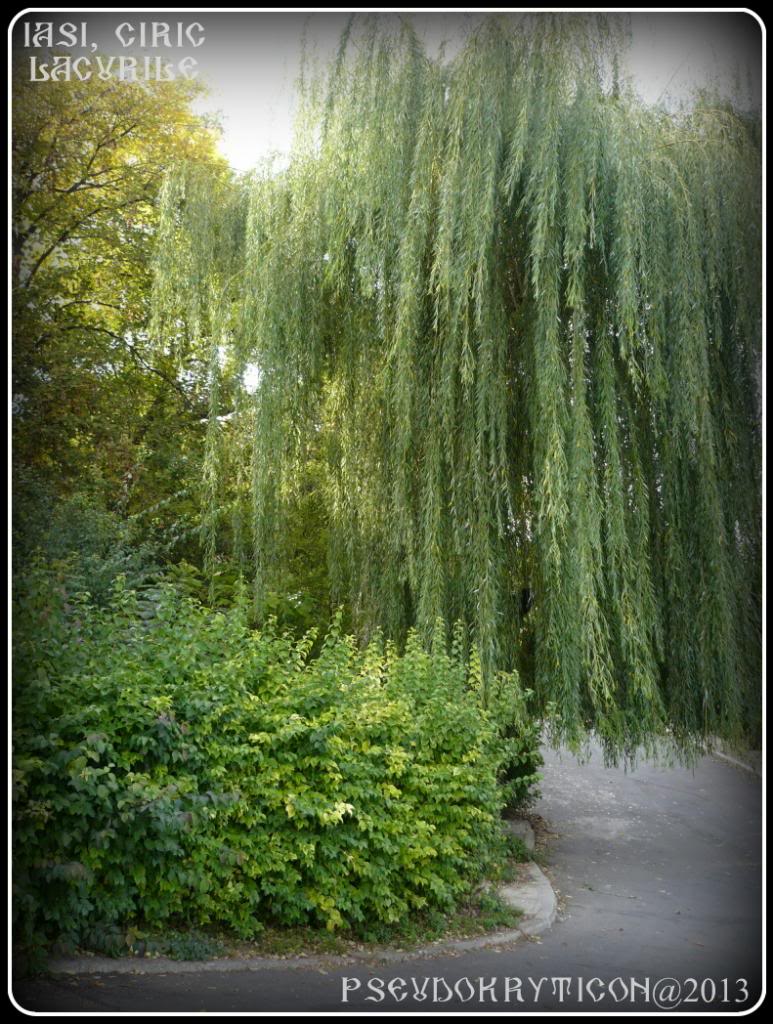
x: 747, y: 766
x: 521, y: 829
x: 532, y: 894
x: 535, y: 897
x: 749, y: 760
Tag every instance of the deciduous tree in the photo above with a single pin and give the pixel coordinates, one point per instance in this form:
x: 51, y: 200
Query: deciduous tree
x: 522, y: 308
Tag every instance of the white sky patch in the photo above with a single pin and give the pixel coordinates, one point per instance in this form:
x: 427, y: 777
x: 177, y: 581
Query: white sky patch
x: 251, y: 378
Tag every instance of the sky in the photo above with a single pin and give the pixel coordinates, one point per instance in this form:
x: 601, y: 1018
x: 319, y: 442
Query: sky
x: 250, y: 60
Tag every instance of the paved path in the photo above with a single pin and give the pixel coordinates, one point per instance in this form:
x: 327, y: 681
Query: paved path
x: 659, y: 876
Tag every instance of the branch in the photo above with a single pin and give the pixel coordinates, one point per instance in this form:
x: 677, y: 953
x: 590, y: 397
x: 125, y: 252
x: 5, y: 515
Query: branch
x: 57, y: 242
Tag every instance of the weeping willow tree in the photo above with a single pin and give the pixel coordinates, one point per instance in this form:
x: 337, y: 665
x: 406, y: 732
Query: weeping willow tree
x: 518, y: 313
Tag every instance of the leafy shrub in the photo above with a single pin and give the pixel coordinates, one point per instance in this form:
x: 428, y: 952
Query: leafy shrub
x: 96, y: 544
x: 174, y: 767
x: 520, y: 773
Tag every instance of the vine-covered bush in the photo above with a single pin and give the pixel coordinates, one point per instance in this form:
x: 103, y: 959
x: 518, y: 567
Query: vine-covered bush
x: 172, y: 765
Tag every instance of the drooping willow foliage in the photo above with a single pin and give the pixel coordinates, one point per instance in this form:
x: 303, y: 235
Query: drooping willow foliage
x: 518, y: 312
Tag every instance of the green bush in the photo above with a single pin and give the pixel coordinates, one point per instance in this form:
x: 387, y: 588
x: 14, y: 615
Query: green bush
x: 173, y: 766
x: 96, y: 544
x: 520, y: 769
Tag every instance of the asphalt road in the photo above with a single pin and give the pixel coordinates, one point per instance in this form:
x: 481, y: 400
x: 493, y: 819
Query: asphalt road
x: 659, y: 875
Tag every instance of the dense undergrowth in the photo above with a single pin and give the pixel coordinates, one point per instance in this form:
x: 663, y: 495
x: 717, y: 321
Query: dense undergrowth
x: 175, y: 767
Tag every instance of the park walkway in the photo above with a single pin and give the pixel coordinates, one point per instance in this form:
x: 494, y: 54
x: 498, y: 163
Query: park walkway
x: 658, y: 873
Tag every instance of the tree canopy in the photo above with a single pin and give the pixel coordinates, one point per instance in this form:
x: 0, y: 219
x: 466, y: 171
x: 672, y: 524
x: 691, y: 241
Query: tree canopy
x: 518, y: 313
x: 96, y: 407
